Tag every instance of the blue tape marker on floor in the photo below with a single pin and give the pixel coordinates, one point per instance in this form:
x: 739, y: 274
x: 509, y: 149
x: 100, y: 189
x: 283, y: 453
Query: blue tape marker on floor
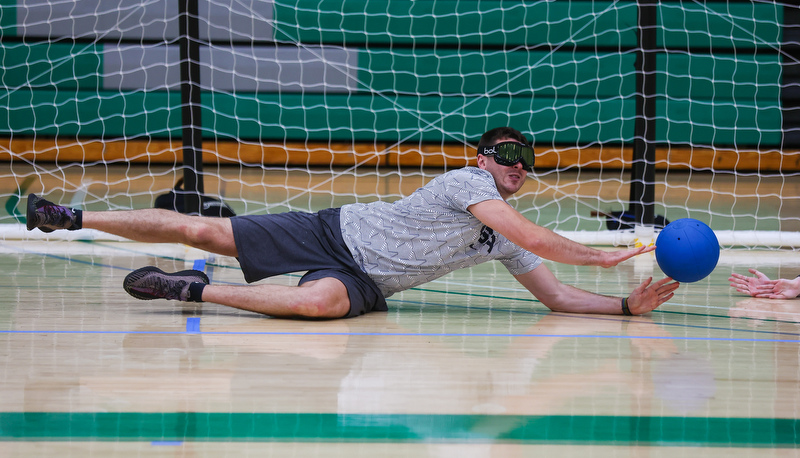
x: 199, y: 264
x: 193, y: 325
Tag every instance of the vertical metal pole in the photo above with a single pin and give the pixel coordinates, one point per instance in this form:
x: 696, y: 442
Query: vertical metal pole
x: 192, y: 135
x: 642, y: 197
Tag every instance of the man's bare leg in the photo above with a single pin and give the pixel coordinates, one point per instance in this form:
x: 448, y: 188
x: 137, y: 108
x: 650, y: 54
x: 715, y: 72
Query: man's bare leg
x: 148, y: 225
x: 155, y: 225
x: 323, y: 298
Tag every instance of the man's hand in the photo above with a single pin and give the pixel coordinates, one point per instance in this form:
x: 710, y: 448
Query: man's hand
x: 646, y: 297
x: 612, y: 258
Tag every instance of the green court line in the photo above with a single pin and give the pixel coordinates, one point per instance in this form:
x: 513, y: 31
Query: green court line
x: 399, y: 428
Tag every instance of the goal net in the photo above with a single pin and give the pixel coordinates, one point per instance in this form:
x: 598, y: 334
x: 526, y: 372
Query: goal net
x: 312, y: 104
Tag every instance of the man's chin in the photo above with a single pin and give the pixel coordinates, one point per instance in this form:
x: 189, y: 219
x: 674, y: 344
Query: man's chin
x: 515, y: 182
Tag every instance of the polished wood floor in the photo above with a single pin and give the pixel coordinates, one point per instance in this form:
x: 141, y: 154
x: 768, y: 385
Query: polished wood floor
x: 469, y: 365
x: 466, y: 366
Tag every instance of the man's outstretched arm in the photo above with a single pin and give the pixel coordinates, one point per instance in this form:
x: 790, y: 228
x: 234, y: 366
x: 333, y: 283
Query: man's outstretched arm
x: 564, y: 298
x: 543, y: 242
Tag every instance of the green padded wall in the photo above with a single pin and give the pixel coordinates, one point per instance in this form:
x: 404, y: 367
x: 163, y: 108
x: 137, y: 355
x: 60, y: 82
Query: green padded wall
x: 438, y: 71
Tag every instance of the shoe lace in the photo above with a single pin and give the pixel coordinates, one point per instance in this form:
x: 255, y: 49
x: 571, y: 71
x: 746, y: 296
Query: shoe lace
x: 164, y: 287
x: 53, y: 215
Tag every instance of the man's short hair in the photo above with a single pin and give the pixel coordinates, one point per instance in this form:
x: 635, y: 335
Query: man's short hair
x: 492, y: 136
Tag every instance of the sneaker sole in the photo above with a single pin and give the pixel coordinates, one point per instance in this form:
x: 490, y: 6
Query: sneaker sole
x: 138, y: 274
x: 30, y: 215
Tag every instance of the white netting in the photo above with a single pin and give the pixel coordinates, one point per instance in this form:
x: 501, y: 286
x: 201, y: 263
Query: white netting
x: 310, y: 104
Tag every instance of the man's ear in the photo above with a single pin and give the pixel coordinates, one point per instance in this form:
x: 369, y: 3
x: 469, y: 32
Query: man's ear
x: 482, y: 161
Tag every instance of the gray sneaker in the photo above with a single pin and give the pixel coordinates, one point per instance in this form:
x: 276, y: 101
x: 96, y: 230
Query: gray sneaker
x: 153, y: 283
x: 48, y: 216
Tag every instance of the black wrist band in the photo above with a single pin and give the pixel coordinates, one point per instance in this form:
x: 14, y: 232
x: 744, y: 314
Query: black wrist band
x: 625, y: 310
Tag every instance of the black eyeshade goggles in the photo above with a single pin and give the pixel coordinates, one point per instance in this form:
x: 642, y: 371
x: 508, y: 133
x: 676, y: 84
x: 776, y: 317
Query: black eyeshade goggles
x: 509, y: 153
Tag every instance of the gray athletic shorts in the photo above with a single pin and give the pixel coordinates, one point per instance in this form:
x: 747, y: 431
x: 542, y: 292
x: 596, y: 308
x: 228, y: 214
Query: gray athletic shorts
x: 270, y: 245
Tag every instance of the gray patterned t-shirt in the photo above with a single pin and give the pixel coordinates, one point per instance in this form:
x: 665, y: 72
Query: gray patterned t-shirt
x: 430, y: 233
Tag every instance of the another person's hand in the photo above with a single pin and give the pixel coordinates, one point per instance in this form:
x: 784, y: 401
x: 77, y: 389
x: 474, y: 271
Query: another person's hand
x: 786, y: 289
x: 761, y: 286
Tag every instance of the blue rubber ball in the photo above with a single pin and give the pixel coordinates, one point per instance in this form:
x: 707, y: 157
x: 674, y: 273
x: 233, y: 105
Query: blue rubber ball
x: 687, y: 250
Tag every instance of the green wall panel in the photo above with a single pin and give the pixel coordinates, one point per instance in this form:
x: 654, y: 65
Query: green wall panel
x: 521, y: 73
x: 722, y: 77
x: 73, y: 65
x: 699, y: 434
x: 467, y: 23
x: 455, y: 22
x: 8, y: 18
x: 90, y: 113
x: 367, y: 117
x: 702, y: 76
x: 722, y: 124
x: 754, y: 79
x: 309, y: 116
x: 743, y: 25
x: 416, y: 92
